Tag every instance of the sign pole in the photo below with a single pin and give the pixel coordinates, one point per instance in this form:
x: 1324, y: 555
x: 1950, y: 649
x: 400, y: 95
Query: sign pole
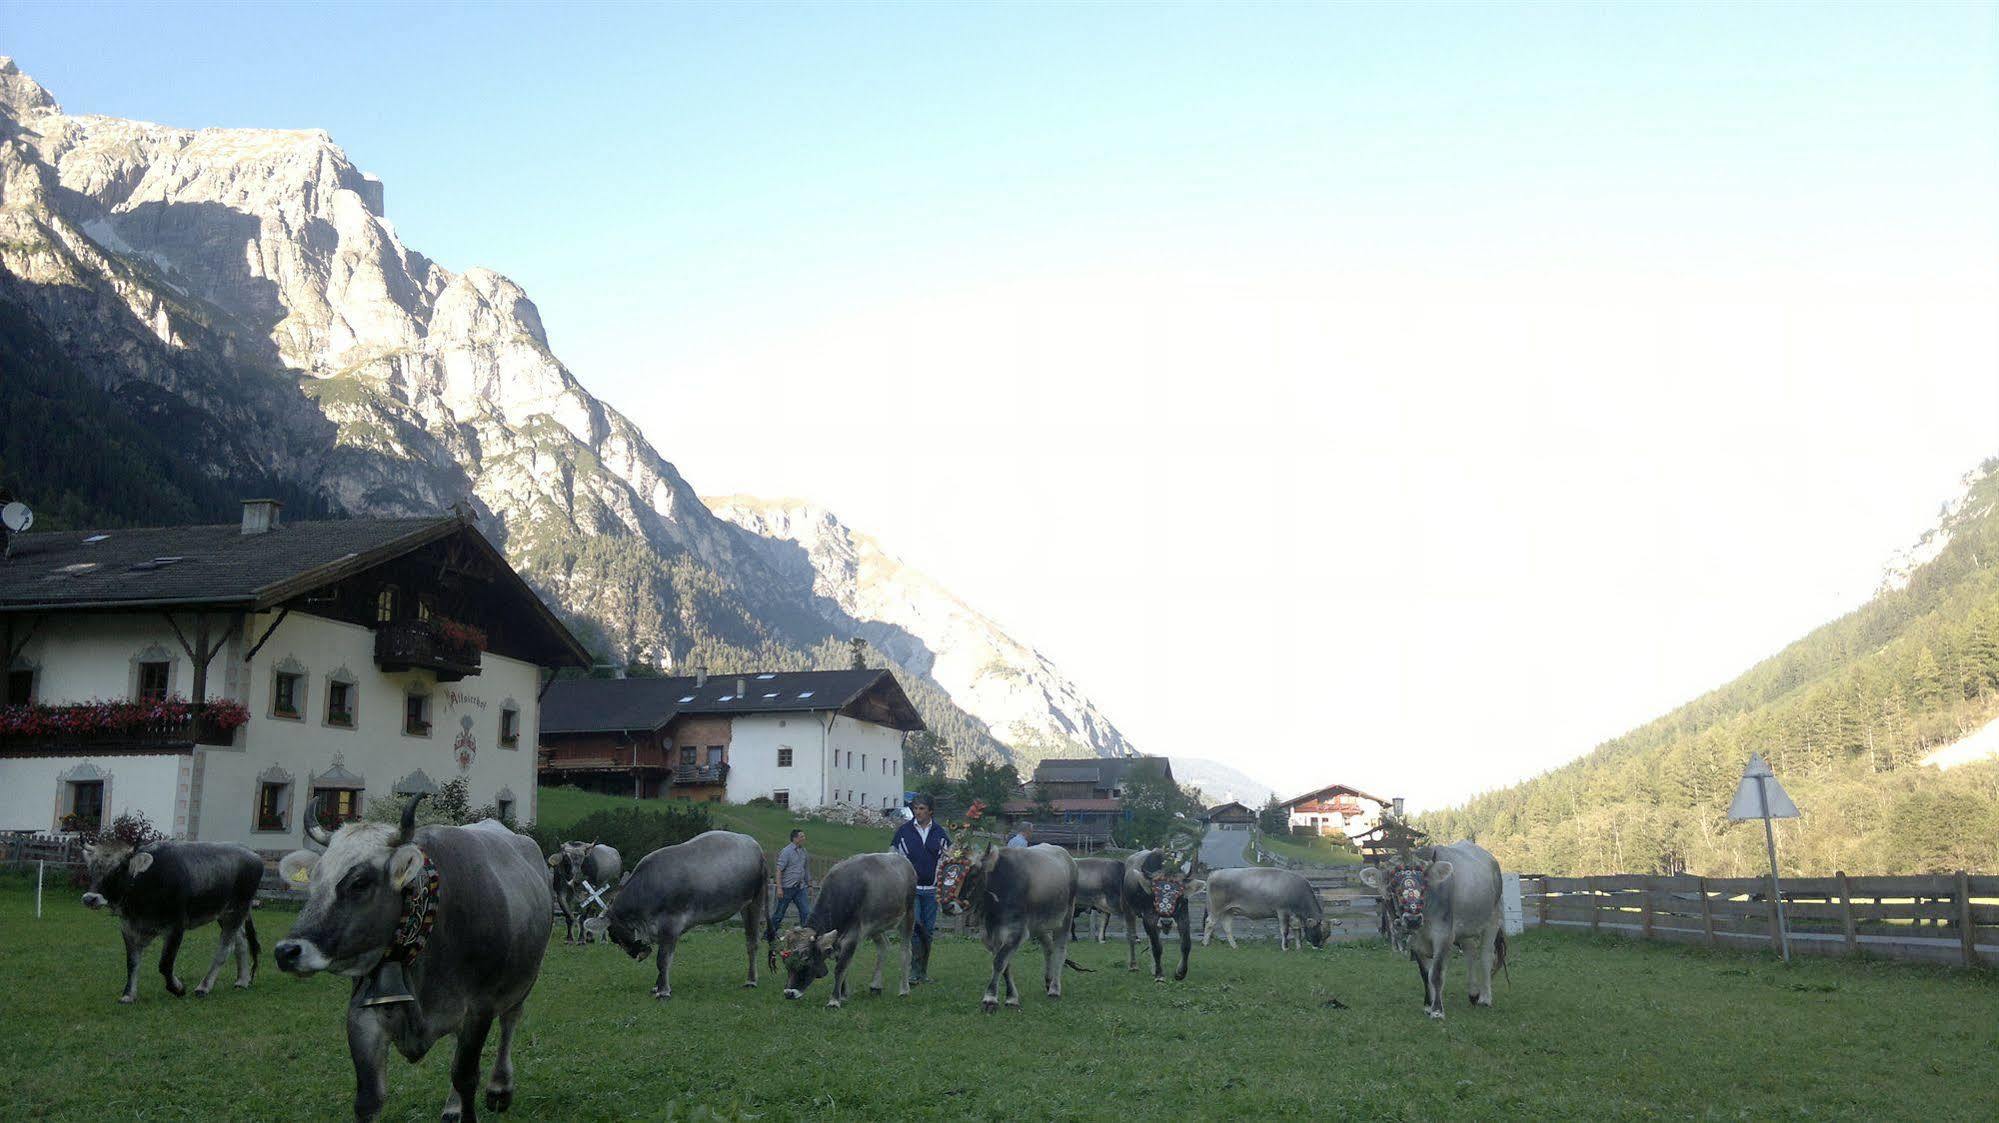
x: 39, y: 867
x: 1776, y: 890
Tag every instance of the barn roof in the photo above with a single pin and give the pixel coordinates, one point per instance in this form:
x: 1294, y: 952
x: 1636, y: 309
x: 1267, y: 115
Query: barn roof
x: 1108, y: 772
x: 590, y: 705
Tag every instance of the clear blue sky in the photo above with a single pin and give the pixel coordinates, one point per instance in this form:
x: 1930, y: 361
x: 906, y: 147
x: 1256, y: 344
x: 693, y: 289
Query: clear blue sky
x: 1408, y: 350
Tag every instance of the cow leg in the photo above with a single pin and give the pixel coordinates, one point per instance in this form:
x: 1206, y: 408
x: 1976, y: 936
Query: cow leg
x: 1435, y: 980
x: 1102, y: 921
x: 465, y: 1070
x: 500, y: 1087
x: 1002, y: 968
x: 908, y: 948
x: 753, y: 926
x: 368, y: 1045
x: 231, y: 927
x: 663, y: 987
x: 1130, y: 941
x: 169, y: 948
x: 1186, y: 938
x: 1487, y: 954
x: 881, y: 957
x: 843, y: 957
x: 246, y: 953
x: 1208, y: 925
x: 1152, y: 934
x: 135, y: 944
x: 1228, y: 931
x: 568, y: 922
x: 1058, y: 954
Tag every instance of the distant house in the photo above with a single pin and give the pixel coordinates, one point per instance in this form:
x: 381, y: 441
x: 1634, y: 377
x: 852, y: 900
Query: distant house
x: 1231, y: 816
x: 1092, y: 778
x: 1336, y: 808
x: 218, y: 678
x: 802, y: 738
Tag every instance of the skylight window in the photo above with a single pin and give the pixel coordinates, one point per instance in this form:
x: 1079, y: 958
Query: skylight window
x: 772, y: 694
x: 689, y: 698
x: 764, y: 678
x: 726, y: 698
x: 95, y: 538
x: 156, y: 563
x: 804, y: 694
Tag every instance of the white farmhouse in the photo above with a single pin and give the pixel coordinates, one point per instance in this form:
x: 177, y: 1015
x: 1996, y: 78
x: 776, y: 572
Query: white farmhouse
x: 803, y: 738
x: 217, y: 678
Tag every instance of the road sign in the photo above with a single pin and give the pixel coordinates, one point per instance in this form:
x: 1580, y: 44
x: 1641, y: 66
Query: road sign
x: 1760, y: 796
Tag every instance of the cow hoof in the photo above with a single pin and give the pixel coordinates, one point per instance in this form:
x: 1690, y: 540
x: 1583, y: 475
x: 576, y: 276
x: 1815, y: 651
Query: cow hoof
x: 242, y: 986
x: 751, y: 985
x: 1014, y: 1002
x: 662, y: 995
x: 451, y: 1115
x: 201, y: 992
x: 499, y: 1099
x: 1483, y: 1000
x: 832, y: 1004
x: 988, y: 1004
x: 176, y: 988
x: 1437, y: 1014
x: 1180, y: 977
x: 127, y: 999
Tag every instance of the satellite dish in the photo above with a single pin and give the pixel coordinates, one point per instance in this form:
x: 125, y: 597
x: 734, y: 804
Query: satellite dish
x: 17, y: 517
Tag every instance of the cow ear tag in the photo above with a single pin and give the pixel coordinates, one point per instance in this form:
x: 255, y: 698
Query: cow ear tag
x: 554, y: 858
x: 404, y: 866
x: 141, y: 862
x: 296, y: 867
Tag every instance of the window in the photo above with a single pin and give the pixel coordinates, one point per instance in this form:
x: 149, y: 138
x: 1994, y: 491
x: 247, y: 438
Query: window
x: 864, y: 762
x: 510, y: 726
x: 781, y: 797
x: 20, y: 687
x: 784, y: 758
x: 153, y: 679
x: 337, y: 805
x: 898, y: 769
x: 86, y: 806
x: 385, y: 605
x: 714, y: 754
x: 287, y: 694
x: 687, y: 755
x: 340, y: 703
x: 506, y: 809
x: 274, y: 806
x: 850, y: 758
x: 416, y: 714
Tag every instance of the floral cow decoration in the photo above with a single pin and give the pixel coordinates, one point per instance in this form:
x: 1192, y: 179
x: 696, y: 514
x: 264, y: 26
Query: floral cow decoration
x: 954, y: 867
x: 1176, y: 872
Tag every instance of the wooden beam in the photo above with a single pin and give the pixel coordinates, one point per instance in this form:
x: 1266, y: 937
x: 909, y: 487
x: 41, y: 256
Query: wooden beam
x: 1966, y: 934
x: 266, y: 638
x: 1846, y: 913
x: 14, y: 649
x: 1707, y: 913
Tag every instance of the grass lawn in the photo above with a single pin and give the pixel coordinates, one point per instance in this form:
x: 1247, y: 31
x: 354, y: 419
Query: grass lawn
x: 1311, y: 852
x: 770, y: 826
x: 1588, y: 1028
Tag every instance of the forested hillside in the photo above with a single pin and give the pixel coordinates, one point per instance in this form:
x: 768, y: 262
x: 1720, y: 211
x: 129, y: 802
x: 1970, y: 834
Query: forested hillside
x: 1846, y: 715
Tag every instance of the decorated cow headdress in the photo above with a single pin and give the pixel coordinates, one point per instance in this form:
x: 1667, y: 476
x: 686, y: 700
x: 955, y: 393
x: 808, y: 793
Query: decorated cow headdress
x: 1178, y: 856
x: 954, y: 866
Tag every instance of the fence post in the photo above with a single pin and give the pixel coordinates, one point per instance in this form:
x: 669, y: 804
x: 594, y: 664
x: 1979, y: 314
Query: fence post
x: 39, y: 866
x: 1650, y: 884
x: 1966, y: 934
x: 1846, y: 913
x: 1595, y: 905
x: 1707, y: 913
x: 1544, y: 903
x: 1776, y: 925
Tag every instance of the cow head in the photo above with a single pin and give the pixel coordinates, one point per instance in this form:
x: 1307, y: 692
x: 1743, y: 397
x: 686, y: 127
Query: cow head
x: 356, y: 893
x: 567, y: 862
x: 1404, y: 885
x: 961, y: 877
x: 1170, y: 886
x: 1315, y: 933
x: 113, y: 864
x: 627, y: 926
x: 804, y: 952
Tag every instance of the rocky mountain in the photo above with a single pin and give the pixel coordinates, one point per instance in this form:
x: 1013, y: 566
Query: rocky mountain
x: 231, y: 310
x: 1022, y: 697
x: 1220, y: 783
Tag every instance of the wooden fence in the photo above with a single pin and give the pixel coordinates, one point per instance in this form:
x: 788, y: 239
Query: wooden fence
x: 1949, y: 918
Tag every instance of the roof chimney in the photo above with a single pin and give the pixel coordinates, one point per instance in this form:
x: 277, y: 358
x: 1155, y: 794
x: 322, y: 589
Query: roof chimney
x: 742, y: 689
x: 260, y: 515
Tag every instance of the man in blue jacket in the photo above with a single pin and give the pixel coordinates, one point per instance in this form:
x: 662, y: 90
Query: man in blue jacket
x: 922, y: 842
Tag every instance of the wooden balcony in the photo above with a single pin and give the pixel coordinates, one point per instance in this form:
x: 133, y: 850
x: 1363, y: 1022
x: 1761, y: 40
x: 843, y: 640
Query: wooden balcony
x: 425, y: 645
x: 41, y: 730
x: 701, y: 774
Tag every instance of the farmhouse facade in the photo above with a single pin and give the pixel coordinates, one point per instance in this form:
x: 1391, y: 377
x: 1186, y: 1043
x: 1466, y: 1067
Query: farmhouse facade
x: 802, y: 738
x: 1336, y: 808
x: 217, y: 678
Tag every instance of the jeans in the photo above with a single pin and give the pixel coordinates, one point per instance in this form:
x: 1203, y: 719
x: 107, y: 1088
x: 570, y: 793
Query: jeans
x: 923, y: 930
x: 796, y: 895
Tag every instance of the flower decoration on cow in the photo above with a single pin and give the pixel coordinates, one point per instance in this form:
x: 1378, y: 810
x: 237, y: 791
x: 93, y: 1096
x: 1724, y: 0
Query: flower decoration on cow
x: 955, y: 865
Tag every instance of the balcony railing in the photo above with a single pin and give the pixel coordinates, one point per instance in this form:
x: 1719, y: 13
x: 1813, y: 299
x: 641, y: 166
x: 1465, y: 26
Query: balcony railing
x: 113, y: 725
x: 426, y: 645
x: 701, y: 774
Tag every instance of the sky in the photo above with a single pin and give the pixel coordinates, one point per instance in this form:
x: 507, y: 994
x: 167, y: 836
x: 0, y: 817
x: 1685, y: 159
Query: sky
x: 1411, y: 397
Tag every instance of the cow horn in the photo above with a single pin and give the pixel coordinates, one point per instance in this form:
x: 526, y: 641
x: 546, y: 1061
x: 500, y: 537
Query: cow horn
x: 313, y: 830
x: 409, y: 818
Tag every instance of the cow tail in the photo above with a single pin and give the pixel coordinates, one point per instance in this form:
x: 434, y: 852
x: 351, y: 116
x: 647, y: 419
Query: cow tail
x: 1499, y: 953
x: 1074, y: 966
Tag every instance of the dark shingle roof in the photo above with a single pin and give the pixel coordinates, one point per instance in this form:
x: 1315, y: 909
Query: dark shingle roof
x: 1108, y: 772
x: 587, y: 705
x: 206, y: 565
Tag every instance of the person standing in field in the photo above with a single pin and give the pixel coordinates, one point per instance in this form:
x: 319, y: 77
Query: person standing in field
x: 1023, y: 834
x: 922, y: 842
x: 794, y: 884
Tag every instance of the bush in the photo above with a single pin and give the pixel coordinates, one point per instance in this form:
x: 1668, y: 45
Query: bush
x: 633, y: 831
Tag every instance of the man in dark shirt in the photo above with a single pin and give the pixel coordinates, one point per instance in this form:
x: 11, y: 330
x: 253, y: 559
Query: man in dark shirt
x: 922, y: 842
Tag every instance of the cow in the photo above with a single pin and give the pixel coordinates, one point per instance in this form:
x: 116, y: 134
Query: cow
x: 443, y: 930
x: 708, y: 878
x: 1099, y: 889
x: 1156, y: 894
x: 865, y: 897
x: 1257, y: 893
x: 1015, y: 893
x: 1445, y: 897
x: 573, y: 864
x: 173, y: 886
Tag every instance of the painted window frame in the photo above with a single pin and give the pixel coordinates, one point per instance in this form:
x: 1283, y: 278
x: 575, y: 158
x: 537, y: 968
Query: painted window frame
x: 150, y: 654
x: 429, y: 723
x: 291, y: 668
x: 346, y: 678
x: 510, y: 715
x: 784, y: 756
x: 274, y: 777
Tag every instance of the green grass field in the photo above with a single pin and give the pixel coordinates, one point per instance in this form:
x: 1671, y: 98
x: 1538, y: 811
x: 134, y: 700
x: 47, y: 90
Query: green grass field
x: 1311, y: 852
x: 770, y: 826
x: 1586, y: 1028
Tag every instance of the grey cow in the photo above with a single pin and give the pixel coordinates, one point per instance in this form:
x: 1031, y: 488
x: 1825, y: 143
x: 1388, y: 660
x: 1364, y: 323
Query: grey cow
x: 1263, y: 894
x: 169, y: 887
x: 865, y: 897
x: 1156, y: 898
x: 708, y: 878
x: 1017, y: 893
x: 572, y: 865
x: 444, y: 928
x: 1445, y: 897
x: 1099, y: 890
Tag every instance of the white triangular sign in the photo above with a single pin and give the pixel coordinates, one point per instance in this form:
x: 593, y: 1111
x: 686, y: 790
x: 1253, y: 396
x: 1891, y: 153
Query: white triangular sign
x: 1749, y: 802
